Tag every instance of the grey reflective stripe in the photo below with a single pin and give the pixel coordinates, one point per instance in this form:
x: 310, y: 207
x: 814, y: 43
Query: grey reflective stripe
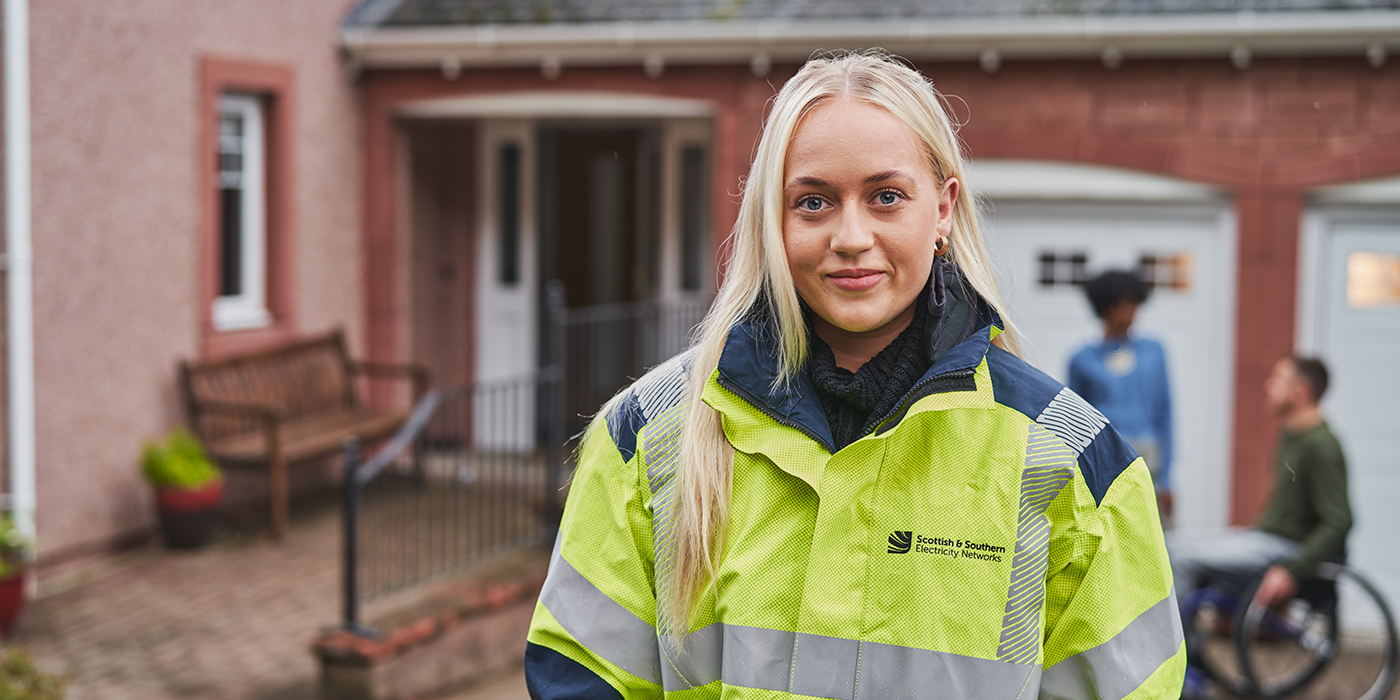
x: 698, y: 665
x: 846, y: 669
x: 1049, y: 466
x: 890, y: 672
x: 825, y: 667
x: 1072, y: 419
x: 755, y: 657
x: 598, y: 622
x: 1114, y: 669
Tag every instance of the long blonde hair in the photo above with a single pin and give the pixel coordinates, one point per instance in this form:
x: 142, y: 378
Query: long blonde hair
x: 757, y: 272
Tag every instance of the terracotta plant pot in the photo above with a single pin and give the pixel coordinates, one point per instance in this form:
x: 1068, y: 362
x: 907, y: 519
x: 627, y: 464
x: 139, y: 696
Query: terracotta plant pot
x: 187, y: 516
x: 11, y: 601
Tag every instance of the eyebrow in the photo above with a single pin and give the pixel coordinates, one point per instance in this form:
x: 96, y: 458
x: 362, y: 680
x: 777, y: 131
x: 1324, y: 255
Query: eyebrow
x: 812, y: 181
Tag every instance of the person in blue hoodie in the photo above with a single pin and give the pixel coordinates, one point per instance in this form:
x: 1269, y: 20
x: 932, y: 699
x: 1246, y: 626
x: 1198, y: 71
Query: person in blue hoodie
x: 1125, y: 376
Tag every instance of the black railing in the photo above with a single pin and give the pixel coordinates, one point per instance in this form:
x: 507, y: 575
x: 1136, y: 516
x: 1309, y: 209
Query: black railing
x: 477, y: 471
x: 467, y: 478
x: 610, y: 345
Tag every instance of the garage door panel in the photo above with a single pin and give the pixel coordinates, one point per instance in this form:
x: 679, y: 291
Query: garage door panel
x: 1360, y: 341
x: 1192, y: 247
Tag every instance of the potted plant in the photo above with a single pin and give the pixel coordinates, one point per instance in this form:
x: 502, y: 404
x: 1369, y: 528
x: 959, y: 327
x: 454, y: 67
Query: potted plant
x: 15, y: 548
x: 189, y: 488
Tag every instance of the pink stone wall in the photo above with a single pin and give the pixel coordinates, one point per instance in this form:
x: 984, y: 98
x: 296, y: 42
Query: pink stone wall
x: 117, y: 227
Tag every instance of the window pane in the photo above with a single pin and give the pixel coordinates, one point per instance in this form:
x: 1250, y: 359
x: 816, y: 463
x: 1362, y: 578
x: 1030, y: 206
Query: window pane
x: 692, y: 217
x: 1166, y: 271
x: 1373, y: 279
x: 1062, y: 268
x: 231, y: 203
x: 509, y: 268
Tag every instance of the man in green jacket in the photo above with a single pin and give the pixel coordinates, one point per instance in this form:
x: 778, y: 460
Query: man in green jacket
x: 1307, y: 517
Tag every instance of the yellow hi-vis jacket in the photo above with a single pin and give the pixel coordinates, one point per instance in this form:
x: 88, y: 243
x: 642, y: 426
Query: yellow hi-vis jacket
x: 993, y: 538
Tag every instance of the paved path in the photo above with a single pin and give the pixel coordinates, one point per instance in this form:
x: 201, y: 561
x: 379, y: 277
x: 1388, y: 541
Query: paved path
x: 232, y: 621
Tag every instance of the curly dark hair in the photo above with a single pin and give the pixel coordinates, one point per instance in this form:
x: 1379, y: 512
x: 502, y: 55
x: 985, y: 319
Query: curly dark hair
x: 1114, y: 286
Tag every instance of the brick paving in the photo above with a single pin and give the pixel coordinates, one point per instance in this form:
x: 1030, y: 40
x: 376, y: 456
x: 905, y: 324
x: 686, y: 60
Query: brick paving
x: 229, y: 622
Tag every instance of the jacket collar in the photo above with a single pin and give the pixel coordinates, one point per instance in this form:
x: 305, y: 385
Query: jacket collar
x: 748, y: 367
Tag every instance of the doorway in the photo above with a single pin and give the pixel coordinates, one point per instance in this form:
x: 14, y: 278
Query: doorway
x: 599, y: 213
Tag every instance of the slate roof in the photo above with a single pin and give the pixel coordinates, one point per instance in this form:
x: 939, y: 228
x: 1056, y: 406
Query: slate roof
x: 443, y: 13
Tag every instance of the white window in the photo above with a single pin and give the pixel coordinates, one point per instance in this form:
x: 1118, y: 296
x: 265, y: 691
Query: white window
x: 242, y: 270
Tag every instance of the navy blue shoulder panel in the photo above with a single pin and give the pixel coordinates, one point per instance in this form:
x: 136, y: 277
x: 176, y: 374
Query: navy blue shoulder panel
x: 550, y: 675
x: 750, y: 363
x: 1016, y: 384
x: 657, y: 391
x: 1102, y: 453
x: 1103, y: 460
x: 624, y: 422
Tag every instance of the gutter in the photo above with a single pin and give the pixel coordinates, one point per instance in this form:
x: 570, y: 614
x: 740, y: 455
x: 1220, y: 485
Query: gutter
x: 19, y: 288
x: 1109, y: 38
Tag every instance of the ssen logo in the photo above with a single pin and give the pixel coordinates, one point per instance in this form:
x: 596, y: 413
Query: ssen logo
x: 901, y: 541
x: 904, y: 541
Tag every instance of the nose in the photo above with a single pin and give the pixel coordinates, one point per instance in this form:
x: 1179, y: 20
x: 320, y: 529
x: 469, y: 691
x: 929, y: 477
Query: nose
x: 854, y: 235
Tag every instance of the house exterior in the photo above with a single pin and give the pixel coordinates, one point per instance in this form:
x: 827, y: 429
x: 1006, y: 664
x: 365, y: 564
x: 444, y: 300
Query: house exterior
x: 126, y: 104
x: 432, y: 164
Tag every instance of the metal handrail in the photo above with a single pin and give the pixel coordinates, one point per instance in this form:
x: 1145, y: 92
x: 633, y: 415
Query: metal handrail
x: 400, y: 442
x: 356, y: 476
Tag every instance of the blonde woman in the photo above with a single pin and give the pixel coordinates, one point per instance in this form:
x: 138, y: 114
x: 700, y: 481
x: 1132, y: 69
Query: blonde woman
x: 851, y: 486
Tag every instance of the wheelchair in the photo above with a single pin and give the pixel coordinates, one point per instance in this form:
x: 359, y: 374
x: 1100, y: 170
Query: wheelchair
x: 1335, y: 638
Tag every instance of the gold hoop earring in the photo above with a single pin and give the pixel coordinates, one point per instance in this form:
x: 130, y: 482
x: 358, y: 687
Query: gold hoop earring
x: 940, y: 246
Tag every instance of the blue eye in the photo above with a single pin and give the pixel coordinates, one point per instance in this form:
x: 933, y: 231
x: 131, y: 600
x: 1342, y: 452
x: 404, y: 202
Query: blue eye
x: 887, y: 197
x: 809, y: 204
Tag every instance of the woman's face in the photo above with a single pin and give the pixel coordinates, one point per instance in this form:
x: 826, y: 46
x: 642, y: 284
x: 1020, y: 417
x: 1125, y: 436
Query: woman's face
x: 862, y: 212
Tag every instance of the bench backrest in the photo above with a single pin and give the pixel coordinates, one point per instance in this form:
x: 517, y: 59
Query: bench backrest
x: 304, y: 377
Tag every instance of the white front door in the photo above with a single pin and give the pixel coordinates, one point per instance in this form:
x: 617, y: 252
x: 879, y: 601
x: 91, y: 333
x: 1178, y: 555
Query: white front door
x: 1354, y: 325
x: 1047, y: 249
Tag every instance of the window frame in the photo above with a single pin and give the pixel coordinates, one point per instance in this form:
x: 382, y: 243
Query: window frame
x: 246, y: 309
x: 272, y: 87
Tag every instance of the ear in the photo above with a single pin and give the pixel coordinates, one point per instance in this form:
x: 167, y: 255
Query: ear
x: 947, y: 204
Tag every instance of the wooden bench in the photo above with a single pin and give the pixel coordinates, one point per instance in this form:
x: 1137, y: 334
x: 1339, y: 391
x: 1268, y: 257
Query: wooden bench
x: 288, y: 405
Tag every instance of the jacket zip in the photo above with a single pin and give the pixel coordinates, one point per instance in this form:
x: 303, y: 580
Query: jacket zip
x: 914, y: 395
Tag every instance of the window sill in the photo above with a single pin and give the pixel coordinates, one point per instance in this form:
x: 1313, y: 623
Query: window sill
x: 219, y: 344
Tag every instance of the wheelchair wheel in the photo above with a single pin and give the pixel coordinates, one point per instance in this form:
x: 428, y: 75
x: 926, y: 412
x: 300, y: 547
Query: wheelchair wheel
x: 1336, y: 637
x: 1210, y: 638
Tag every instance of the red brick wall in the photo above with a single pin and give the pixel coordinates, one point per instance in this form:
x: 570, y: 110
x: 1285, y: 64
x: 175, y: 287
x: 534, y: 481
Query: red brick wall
x: 1266, y: 134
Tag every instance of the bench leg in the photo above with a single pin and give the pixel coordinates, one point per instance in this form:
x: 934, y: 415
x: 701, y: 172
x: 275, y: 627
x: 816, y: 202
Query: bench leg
x: 277, y: 488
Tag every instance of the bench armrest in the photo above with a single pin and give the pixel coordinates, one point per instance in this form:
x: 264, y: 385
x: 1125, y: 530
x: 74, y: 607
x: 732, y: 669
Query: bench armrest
x: 417, y: 373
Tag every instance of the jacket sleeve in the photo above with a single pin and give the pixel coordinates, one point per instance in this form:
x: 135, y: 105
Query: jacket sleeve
x: 1162, y: 415
x: 593, y: 632
x: 1112, y: 629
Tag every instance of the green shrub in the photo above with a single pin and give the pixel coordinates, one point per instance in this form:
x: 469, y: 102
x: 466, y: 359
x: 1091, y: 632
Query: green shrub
x: 14, y: 548
x: 20, y: 679
x: 180, y: 461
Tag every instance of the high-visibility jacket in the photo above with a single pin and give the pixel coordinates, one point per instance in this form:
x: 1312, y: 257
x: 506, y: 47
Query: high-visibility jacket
x: 993, y: 538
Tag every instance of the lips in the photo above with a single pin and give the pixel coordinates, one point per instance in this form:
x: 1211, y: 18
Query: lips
x: 857, y: 280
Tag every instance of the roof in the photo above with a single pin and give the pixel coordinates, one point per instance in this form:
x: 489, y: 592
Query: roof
x: 552, y: 34
x: 437, y: 13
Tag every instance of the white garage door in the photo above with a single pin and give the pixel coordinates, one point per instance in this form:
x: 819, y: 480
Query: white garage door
x: 1354, y: 323
x: 1048, y: 249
